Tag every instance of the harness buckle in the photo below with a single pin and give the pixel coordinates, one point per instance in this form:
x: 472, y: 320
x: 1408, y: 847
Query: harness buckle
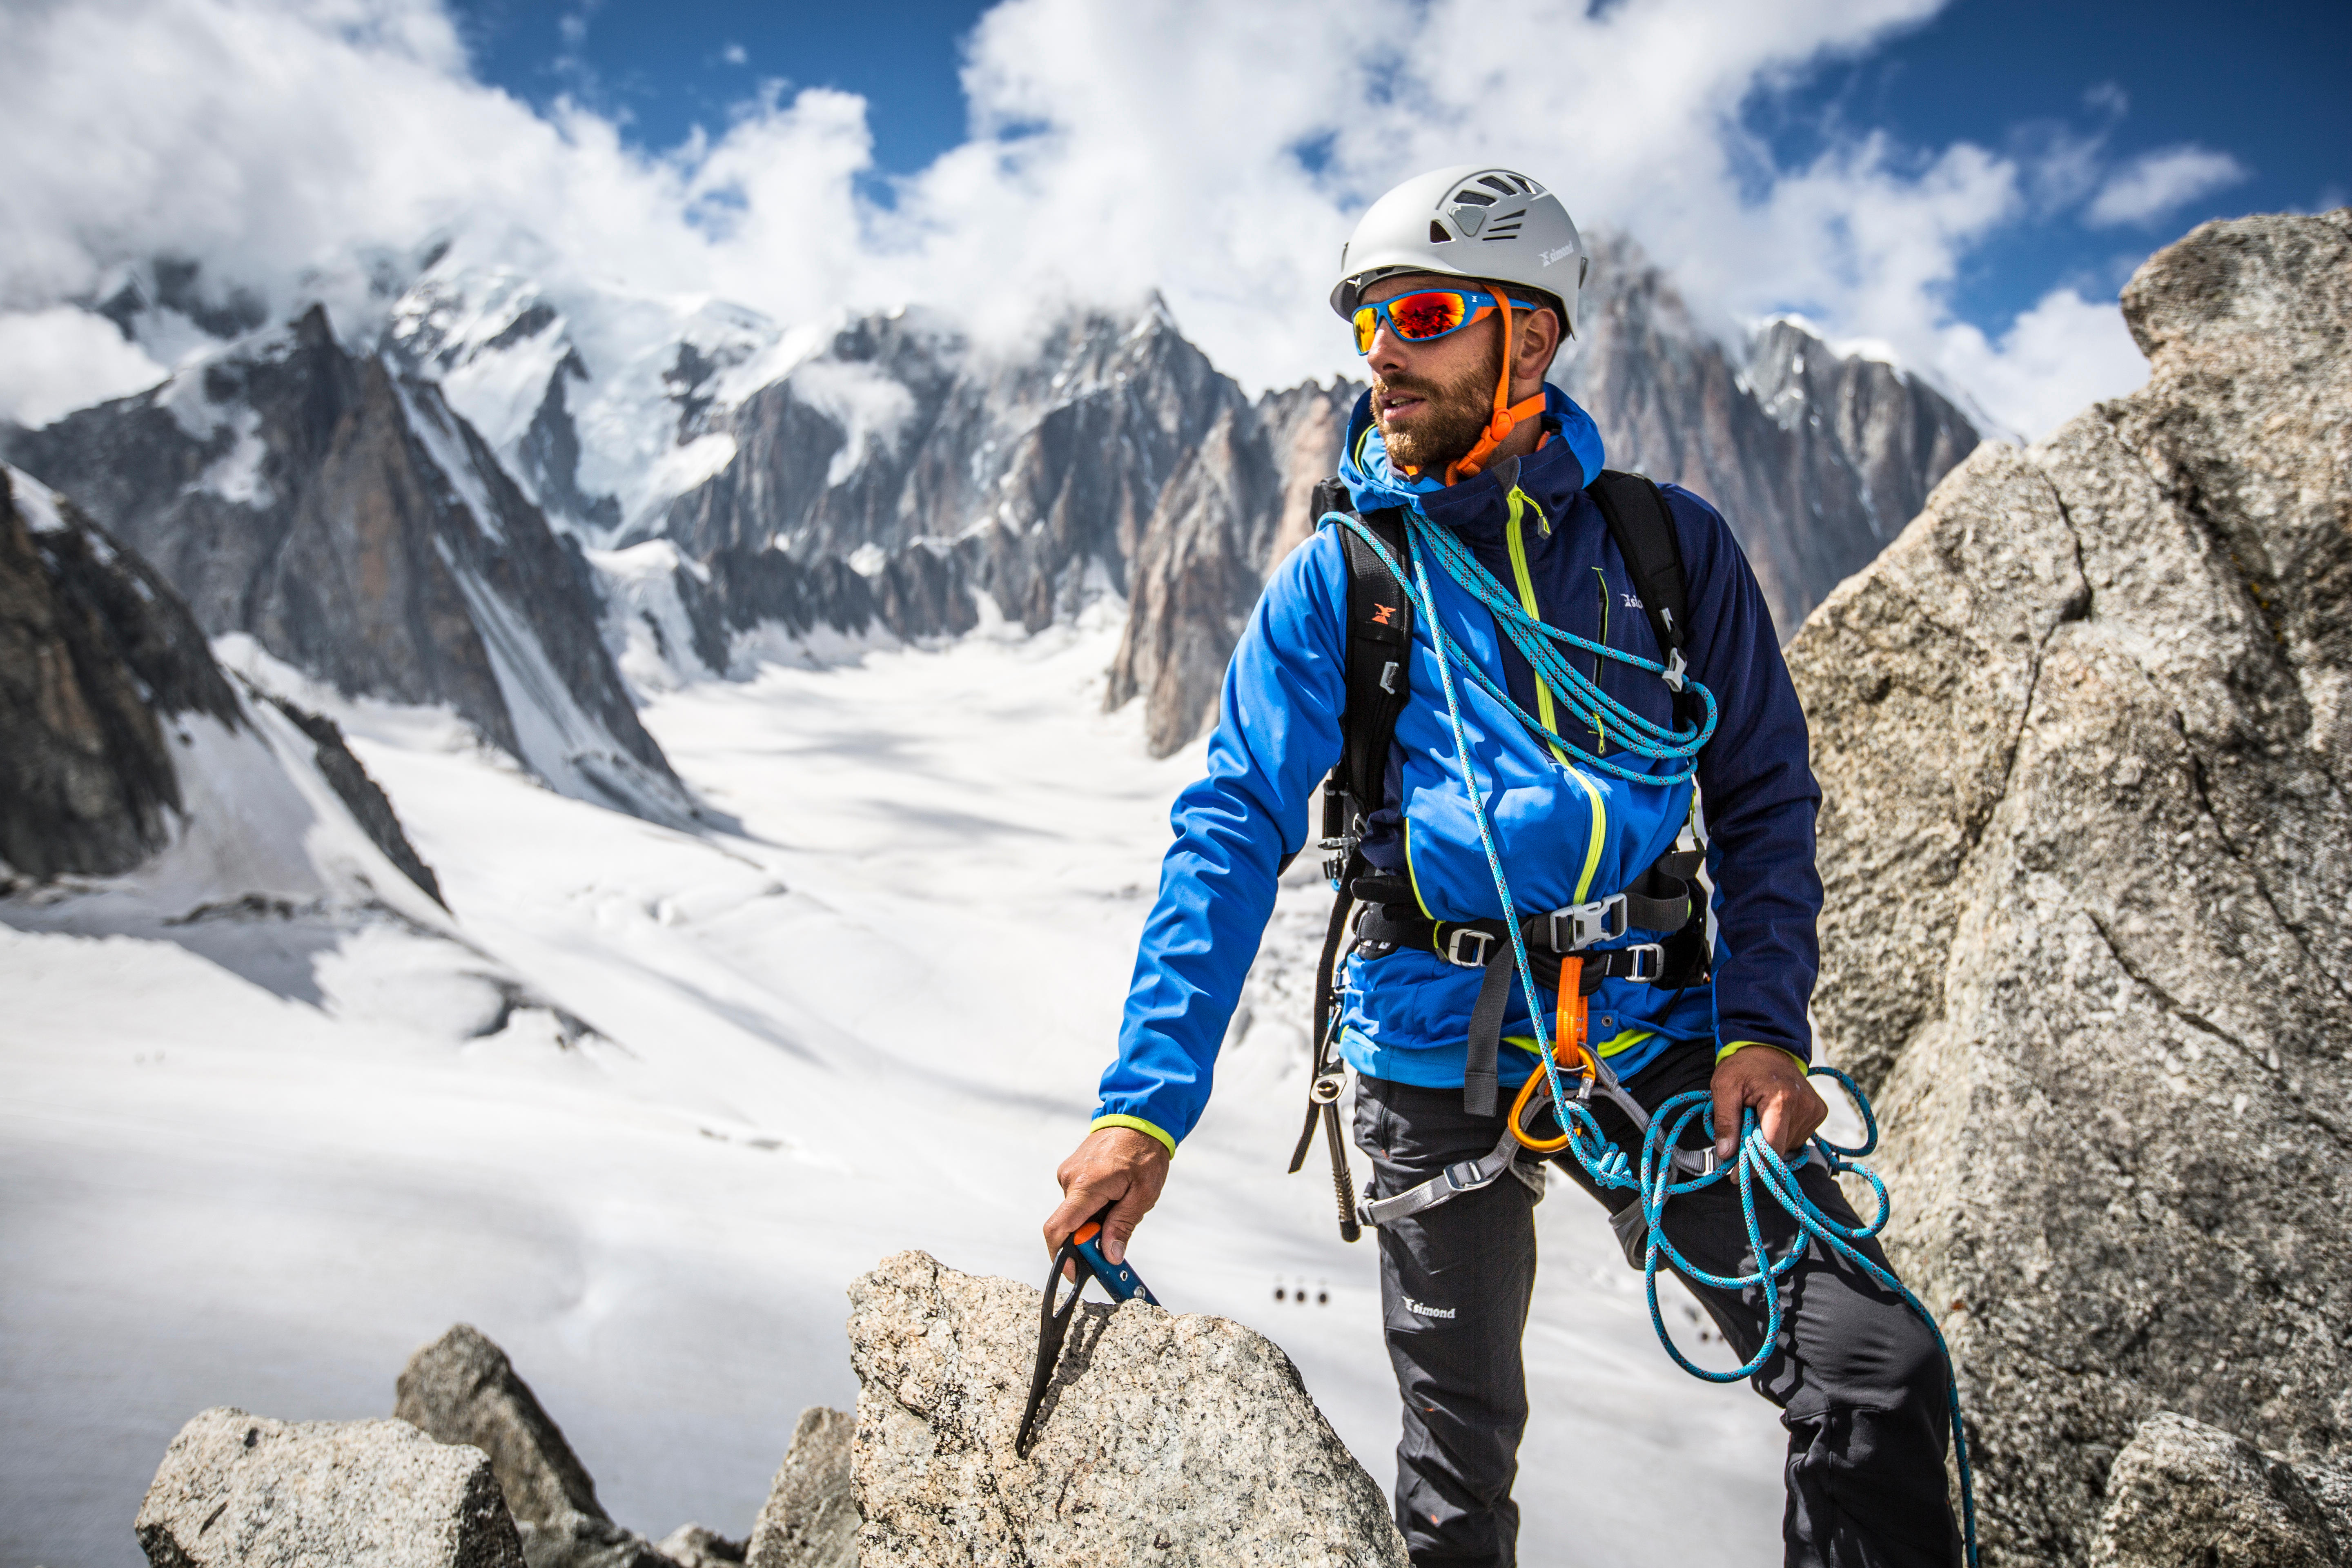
x: 1588, y: 923
x: 1649, y: 958
x: 1464, y: 1176
x: 1462, y: 934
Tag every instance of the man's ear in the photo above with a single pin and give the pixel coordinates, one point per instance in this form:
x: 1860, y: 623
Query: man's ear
x: 1538, y: 345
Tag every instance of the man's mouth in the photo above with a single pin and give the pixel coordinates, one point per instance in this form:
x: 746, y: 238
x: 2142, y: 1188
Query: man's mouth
x: 1400, y: 402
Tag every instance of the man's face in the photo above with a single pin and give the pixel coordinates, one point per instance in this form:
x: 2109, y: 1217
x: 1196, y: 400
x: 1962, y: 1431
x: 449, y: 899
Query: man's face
x: 1432, y: 400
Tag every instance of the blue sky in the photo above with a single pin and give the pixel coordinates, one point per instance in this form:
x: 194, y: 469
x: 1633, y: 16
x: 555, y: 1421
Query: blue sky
x: 2263, y: 84
x: 1962, y: 187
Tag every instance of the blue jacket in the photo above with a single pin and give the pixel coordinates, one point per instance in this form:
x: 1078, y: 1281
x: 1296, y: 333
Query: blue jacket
x: 1566, y: 834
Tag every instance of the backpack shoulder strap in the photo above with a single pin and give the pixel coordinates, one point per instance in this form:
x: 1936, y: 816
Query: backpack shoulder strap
x: 1644, y: 531
x: 1380, y: 637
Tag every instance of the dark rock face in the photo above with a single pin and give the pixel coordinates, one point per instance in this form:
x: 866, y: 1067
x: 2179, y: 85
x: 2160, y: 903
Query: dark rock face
x: 2081, y: 738
x: 362, y: 796
x: 243, y: 1492
x: 363, y: 532
x: 1038, y: 470
x: 1816, y: 460
x: 461, y: 1388
x: 95, y: 651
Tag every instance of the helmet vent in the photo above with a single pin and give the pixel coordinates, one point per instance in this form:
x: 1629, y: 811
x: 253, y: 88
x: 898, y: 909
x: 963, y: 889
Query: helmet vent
x: 1438, y: 234
x: 1496, y: 181
x: 1475, y: 198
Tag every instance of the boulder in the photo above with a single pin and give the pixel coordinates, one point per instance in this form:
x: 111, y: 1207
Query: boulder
x: 1165, y: 1438
x: 243, y: 1490
x: 692, y: 1546
x: 810, y: 1519
x: 461, y: 1388
x: 2183, y: 1492
x: 2087, y: 851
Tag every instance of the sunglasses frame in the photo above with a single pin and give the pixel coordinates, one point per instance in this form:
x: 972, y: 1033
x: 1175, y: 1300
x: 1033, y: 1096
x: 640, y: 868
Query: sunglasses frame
x: 1475, y: 307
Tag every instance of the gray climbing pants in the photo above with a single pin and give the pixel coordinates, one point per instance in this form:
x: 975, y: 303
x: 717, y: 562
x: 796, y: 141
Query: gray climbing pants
x: 1858, y: 1377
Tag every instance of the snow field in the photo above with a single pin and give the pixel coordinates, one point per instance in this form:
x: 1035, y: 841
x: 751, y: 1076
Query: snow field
x: 259, y: 1161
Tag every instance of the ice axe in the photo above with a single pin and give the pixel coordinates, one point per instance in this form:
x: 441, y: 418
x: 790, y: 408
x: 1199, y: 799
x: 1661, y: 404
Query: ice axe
x: 1085, y: 1248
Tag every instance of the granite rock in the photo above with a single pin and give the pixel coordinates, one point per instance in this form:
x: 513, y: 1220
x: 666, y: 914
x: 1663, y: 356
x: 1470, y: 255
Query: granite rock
x: 244, y: 1491
x: 2185, y: 1494
x: 1165, y: 1438
x: 461, y: 1388
x: 810, y: 1519
x: 2081, y: 733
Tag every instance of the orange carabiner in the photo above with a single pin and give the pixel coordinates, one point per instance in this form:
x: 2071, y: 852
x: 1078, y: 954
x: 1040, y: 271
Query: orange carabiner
x: 1570, y: 1049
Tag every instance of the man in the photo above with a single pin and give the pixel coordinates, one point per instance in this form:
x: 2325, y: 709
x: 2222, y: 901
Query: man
x: 1462, y: 284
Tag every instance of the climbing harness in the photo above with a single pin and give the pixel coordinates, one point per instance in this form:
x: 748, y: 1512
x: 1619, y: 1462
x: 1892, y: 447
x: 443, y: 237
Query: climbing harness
x: 1666, y: 1171
x: 1084, y: 1248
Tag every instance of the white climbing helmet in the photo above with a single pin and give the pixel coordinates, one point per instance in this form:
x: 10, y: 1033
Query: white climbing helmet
x: 1474, y: 220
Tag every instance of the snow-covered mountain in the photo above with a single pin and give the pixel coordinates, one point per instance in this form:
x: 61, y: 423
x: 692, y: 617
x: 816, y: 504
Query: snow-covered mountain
x: 341, y: 514
x: 692, y: 472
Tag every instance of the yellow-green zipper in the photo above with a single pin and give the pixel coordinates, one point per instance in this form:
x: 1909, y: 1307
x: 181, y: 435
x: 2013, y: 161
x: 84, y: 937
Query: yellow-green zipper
x: 1525, y: 581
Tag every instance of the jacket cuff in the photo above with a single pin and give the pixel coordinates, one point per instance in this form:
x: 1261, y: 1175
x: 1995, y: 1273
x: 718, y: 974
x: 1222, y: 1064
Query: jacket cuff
x: 1738, y: 1046
x: 1139, y: 1124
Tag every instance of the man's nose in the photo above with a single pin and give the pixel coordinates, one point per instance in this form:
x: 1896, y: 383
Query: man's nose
x: 1388, y: 352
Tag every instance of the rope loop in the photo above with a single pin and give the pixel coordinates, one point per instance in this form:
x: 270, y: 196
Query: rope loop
x: 1540, y: 644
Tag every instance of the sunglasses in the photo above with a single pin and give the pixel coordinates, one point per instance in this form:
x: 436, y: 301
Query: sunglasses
x: 1427, y: 316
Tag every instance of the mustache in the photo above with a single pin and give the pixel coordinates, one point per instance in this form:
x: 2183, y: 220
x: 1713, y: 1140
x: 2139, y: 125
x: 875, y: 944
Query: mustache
x: 1420, y: 386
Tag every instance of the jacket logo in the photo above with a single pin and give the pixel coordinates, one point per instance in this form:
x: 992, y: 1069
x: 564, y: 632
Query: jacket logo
x: 1633, y: 601
x: 1383, y: 615
x: 1418, y: 1310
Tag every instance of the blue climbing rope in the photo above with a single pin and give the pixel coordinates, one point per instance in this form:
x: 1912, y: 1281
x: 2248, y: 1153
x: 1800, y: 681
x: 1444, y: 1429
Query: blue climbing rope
x: 1540, y: 644
x: 1603, y: 1161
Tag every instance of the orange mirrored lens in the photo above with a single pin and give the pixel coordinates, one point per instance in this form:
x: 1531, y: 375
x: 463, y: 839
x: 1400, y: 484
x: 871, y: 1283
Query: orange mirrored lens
x: 1419, y: 316
x: 1368, y: 321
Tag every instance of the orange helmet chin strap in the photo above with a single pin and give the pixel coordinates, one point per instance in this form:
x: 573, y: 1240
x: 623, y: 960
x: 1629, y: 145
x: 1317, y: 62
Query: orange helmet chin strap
x: 1508, y: 413
x: 1506, y: 418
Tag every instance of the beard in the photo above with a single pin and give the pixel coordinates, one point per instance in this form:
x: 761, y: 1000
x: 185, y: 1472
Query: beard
x: 1452, y: 417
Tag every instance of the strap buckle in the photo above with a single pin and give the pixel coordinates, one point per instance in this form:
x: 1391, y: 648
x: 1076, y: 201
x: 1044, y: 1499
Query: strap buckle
x: 1649, y: 959
x: 1462, y: 934
x: 1464, y: 1176
x: 1587, y: 923
x: 1672, y: 675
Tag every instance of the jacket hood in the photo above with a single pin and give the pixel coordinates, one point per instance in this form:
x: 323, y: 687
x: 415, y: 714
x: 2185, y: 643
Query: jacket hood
x: 1566, y: 462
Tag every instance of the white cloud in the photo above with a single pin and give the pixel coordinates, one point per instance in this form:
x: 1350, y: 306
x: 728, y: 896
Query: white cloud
x: 2054, y: 360
x: 55, y: 360
x: 2155, y: 183
x: 289, y: 144
x: 735, y: 55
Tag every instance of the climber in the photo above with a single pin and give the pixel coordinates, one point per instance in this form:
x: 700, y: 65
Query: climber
x: 1461, y: 286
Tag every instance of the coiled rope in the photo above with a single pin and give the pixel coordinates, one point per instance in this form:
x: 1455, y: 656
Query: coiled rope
x: 1602, y: 1159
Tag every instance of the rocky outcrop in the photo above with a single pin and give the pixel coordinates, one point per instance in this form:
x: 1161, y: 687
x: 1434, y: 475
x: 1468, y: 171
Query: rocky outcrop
x: 243, y: 1492
x: 810, y: 1519
x: 461, y: 1388
x: 365, y: 799
x: 2082, y: 735
x: 95, y: 651
x: 363, y: 532
x: 1165, y: 1438
x: 2184, y: 1493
